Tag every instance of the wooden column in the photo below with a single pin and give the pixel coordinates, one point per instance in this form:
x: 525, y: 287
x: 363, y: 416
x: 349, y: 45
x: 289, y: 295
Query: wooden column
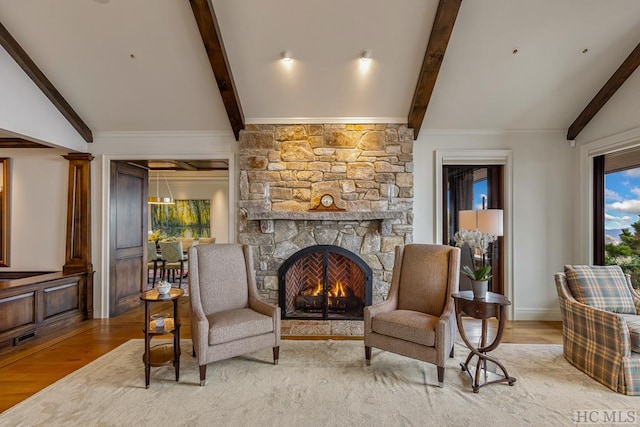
x: 78, y: 246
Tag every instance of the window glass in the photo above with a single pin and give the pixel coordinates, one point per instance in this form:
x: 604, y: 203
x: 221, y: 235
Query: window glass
x: 622, y: 221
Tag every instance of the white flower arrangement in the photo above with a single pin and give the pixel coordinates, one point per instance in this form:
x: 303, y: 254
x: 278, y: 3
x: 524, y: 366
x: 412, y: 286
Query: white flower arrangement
x: 478, y: 243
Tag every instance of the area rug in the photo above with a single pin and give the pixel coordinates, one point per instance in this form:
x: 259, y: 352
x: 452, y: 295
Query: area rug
x: 318, y: 383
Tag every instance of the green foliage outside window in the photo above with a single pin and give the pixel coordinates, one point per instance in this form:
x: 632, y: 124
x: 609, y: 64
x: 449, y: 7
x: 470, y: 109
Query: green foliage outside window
x: 626, y: 254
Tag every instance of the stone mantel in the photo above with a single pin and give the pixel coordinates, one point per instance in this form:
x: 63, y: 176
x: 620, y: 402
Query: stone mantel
x: 326, y: 215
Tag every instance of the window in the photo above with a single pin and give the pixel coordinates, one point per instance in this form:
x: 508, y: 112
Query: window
x: 617, y: 220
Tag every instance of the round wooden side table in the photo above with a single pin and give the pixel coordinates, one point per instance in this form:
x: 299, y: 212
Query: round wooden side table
x: 167, y: 353
x: 494, y: 305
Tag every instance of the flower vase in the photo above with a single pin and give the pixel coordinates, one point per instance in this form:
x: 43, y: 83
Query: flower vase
x: 479, y: 288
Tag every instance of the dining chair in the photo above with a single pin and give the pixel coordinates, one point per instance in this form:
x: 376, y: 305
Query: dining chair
x: 187, y: 242
x: 174, y: 260
x: 154, y: 260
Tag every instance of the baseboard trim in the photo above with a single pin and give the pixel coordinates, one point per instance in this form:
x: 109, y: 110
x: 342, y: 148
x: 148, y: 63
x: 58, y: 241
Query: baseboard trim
x: 537, y: 314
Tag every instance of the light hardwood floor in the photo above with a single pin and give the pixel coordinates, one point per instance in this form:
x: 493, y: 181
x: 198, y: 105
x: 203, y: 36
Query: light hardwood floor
x: 32, y: 366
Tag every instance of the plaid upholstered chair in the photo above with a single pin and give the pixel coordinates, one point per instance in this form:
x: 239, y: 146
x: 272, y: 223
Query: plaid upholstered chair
x: 601, y: 324
x: 417, y: 319
x: 227, y: 317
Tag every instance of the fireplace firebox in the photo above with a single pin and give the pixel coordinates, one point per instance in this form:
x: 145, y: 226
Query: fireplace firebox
x: 324, y: 282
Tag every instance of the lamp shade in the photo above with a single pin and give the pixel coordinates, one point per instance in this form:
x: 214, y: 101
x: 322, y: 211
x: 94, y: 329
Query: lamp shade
x: 490, y: 221
x: 467, y: 220
x: 487, y: 221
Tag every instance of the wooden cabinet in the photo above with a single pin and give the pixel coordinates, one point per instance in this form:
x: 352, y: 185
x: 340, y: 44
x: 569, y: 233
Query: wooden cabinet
x: 36, y: 304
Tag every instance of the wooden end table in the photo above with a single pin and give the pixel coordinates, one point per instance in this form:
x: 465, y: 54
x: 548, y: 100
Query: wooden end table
x: 167, y: 353
x: 494, y: 305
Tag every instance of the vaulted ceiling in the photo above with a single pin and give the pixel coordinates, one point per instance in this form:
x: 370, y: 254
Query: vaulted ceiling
x: 140, y: 65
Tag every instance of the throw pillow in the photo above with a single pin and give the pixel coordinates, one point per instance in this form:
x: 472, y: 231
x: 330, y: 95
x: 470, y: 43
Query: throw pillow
x: 604, y: 287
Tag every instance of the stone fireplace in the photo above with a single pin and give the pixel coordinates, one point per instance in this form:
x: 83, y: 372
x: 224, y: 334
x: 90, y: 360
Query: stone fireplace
x: 284, y: 171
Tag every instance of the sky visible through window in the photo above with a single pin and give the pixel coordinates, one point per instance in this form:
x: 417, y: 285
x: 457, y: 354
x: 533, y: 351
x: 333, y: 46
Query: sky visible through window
x: 480, y: 191
x: 621, y: 201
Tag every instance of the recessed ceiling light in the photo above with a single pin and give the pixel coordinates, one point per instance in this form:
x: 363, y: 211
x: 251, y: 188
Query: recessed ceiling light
x: 286, y: 55
x: 102, y: 1
x: 365, y: 55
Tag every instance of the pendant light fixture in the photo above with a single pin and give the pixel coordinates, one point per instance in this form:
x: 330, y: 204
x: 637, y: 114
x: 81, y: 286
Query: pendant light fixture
x: 157, y: 200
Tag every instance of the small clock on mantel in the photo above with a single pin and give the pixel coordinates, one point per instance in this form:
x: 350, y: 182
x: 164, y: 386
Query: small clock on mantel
x: 327, y: 203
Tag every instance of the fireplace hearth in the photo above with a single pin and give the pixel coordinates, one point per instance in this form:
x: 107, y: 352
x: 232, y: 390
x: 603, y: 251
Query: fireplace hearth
x: 324, y: 282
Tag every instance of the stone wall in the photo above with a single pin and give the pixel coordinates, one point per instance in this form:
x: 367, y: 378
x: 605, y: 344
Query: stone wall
x: 285, y: 169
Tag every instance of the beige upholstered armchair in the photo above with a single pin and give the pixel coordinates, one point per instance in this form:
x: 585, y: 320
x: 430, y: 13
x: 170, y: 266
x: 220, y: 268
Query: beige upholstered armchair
x: 417, y: 319
x: 601, y: 324
x: 227, y: 317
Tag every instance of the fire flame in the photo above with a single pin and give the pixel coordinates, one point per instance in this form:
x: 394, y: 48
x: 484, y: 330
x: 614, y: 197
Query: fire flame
x: 317, y: 290
x: 336, y: 290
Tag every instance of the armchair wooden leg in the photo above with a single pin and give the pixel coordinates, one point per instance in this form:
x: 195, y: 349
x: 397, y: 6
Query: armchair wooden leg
x: 193, y: 351
x: 367, y: 354
x: 451, y: 353
x: 203, y: 374
x: 276, y: 354
x: 440, y: 376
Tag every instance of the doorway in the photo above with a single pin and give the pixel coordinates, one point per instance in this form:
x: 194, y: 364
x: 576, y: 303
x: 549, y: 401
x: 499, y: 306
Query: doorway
x: 107, y: 277
x: 473, y: 187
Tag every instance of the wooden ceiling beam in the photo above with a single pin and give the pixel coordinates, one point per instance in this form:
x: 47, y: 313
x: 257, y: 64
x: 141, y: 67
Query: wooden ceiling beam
x: 31, y: 69
x: 438, y: 40
x: 185, y: 165
x: 19, y: 143
x: 610, y: 87
x: 212, y: 39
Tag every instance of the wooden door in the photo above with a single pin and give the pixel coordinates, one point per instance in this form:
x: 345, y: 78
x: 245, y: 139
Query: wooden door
x: 127, y: 236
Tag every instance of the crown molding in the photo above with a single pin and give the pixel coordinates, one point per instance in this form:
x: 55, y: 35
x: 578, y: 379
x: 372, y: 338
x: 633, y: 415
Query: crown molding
x: 322, y: 120
x: 489, y: 131
x: 163, y: 134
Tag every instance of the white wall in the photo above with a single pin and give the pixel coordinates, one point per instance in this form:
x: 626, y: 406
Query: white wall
x: 25, y: 111
x: 112, y: 146
x: 38, y: 208
x: 544, y: 167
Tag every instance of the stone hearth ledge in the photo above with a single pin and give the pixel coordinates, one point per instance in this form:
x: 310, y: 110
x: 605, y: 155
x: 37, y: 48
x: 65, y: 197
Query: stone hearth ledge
x: 325, y: 216
x: 328, y: 328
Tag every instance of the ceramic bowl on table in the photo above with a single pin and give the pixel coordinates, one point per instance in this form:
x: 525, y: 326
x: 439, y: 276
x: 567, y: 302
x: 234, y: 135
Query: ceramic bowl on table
x: 163, y: 287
